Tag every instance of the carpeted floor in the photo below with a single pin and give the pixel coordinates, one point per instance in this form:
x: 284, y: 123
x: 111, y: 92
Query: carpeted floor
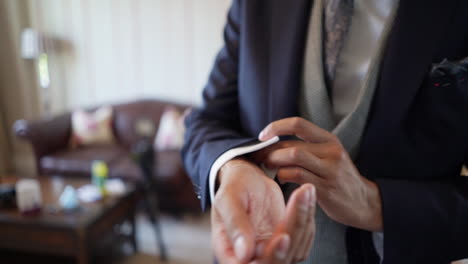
x: 187, y: 240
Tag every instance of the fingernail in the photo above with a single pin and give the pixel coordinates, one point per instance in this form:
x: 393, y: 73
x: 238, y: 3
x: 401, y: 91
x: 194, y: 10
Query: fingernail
x: 240, y: 248
x: 261, y: 135
x: 283, y: 247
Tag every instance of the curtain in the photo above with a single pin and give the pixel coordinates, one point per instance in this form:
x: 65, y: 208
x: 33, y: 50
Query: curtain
x: 4, y: 145
x: 18, y: 87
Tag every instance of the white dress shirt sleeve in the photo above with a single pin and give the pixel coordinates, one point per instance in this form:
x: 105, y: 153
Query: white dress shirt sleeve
x: 231, y: 154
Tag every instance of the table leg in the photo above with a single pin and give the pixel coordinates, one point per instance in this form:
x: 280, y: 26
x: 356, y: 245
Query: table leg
x: 153, y: 213
x: 133, y: 234
x: 82, y: 256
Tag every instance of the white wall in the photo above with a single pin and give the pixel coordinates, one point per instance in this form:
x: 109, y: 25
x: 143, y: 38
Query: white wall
x: 118, y: 50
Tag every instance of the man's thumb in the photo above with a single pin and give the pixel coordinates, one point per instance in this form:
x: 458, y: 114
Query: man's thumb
x: 238, y: 226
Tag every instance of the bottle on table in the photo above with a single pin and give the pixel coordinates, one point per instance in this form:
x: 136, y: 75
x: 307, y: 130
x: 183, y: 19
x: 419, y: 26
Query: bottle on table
x: 100, y: 173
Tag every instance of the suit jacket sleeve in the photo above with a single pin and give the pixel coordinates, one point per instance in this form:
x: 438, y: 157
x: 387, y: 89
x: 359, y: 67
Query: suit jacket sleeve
x: 424, y: 219
x: 215, y: 127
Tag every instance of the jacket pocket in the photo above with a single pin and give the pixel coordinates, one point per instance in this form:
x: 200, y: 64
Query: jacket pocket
x: 442, y: 101
x: 436, y: 126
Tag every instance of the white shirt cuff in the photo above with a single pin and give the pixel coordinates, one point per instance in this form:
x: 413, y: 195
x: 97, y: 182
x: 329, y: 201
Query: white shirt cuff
x: 378, y: 239
x: 229, y: 155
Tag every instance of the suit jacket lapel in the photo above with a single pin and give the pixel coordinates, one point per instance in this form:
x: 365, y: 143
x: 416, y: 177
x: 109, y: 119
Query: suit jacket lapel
x: 288, y: 34
x: 418, y: 29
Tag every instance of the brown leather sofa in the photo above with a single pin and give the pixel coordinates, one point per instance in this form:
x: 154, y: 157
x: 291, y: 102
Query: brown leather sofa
x: 50, y: 142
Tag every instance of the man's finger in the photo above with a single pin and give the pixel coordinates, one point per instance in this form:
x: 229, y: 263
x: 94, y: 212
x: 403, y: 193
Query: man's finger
x: 233, y: 214
x: 220, y: 241
x: 296, y: 126
x: 309, y: 231
x: 296, y: 156
x: 296, y: 229
x: 277, y: 250
x: 294, y: 225
x: 297, y: 214
x: 260, y: 155
x: 319, y: 150
x: 300, y: 176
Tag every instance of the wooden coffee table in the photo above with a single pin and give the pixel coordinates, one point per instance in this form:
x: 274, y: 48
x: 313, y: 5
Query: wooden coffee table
x: 66, y: 234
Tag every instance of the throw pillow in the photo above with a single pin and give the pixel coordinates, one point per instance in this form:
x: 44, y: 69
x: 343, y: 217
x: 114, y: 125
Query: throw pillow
x: 170, y: 135
x: 92, y: 128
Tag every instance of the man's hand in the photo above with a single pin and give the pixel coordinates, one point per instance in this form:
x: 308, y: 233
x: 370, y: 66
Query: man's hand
x: 250, y: 222
x: 342, y: 192
x: 295, y: 233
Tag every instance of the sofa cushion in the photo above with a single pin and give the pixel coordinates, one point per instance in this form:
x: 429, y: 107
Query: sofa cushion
x: 126, y: 117
x: 78, y: 161
x: 171, y: 130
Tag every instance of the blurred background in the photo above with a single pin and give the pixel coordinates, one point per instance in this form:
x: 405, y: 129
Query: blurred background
x: 105, y: 51
x: 107, y: 82
x: 147, y: 60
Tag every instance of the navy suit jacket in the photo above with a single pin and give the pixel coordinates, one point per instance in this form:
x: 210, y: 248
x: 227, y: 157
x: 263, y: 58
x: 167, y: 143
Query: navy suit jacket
x: 416, y: 138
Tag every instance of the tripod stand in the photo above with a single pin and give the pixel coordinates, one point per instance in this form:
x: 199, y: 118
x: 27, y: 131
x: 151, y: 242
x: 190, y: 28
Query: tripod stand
x: 143, y: 154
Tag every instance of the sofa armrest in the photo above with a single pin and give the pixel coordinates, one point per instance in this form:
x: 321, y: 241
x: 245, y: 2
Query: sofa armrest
x: 45, y: 136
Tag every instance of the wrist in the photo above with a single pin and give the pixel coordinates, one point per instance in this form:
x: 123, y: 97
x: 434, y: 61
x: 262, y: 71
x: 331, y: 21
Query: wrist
x: 375, y: 216
x: 227, y: 169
